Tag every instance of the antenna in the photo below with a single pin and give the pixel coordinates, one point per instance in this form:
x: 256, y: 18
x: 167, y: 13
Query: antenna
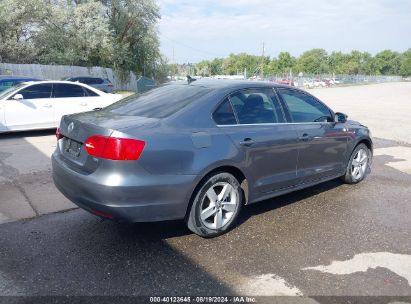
x: 190, y: 79
x: 262, y: 63
x: 174, y: 66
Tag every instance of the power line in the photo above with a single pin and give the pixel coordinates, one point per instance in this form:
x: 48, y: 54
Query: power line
x: 190, y: 47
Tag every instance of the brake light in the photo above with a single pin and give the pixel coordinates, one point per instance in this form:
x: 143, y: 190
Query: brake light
x: 58, y: 134
x: 114, y: 148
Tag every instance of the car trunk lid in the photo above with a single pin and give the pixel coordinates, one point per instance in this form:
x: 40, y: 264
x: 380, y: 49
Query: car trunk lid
x: 76, y: 129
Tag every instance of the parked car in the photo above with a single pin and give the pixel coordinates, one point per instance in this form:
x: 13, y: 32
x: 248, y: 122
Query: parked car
x: 7, y: 81
x: 199, y: 151
x: 289, y: 82
x: 308, y: 83
x: 332, y: 81
x: 41, y: 104
x: 102, y: 84
x: 319, y: 83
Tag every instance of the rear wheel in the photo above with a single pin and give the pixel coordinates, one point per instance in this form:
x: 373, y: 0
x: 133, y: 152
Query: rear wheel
x: 216, y: 205
x: 358, y: 166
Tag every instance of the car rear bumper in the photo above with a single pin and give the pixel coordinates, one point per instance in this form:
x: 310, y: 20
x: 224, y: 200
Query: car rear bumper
x: 141, y: 199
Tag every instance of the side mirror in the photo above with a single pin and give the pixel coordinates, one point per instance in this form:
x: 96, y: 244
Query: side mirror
x: 18, y: 97
x: 340, y: 117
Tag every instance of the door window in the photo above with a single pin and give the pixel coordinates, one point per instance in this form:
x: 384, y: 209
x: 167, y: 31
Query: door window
x: 256, y: 106
x: 63, y: 90
x: 36, y: 91
x: 90, y: 92
x: 305, y: 108
x: 224, y: 115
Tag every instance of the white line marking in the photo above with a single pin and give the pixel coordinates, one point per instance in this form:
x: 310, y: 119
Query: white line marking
x: 397, y: 263
x: 269, y: 285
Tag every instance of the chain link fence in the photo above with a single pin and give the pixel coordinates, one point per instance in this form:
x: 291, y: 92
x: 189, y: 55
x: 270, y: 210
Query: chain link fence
x: 326, y: 80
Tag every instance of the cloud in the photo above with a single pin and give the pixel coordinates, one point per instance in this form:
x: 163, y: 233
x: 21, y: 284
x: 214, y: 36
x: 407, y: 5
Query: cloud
x: 205, y: 29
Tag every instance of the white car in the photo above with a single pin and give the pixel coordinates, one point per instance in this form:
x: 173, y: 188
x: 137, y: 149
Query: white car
x: 41, y: 104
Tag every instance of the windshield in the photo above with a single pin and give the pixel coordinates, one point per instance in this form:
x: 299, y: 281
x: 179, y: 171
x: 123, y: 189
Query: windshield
x: 11, y: 89
x: 160, y: 102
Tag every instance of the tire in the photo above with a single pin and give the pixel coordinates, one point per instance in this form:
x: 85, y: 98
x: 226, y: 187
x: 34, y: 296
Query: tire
x: 216, y: 206
x: 358, y: 166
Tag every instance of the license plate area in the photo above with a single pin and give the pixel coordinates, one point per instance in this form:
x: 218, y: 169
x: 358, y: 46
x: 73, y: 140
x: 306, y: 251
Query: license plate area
x: 72, y: 147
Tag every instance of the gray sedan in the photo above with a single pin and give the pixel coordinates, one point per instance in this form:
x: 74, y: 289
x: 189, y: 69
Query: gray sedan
x: 201, y: 150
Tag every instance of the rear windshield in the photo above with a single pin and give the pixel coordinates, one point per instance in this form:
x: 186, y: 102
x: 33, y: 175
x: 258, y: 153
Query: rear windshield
x: 160, y: 102
x: 11, y: 89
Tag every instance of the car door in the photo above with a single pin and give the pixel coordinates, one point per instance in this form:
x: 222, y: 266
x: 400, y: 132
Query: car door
x: 322, y: 142
x: 2, y: 118
x: 34, y: 110
x: 254, y: 120
x: 69, y: 99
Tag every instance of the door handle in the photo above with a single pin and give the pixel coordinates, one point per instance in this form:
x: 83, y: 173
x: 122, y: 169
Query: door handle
x: 47, y: 105
x: 247, y: 142
x: 304, y: 137
x: 83, y: 104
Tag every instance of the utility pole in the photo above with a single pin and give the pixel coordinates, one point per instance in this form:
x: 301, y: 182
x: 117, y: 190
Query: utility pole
x: 262, y: 63
x: 173, y: 66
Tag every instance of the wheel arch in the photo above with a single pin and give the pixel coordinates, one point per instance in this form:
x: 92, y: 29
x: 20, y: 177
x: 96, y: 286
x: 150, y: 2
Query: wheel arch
x: 233, y: 170
x: 365, y: 141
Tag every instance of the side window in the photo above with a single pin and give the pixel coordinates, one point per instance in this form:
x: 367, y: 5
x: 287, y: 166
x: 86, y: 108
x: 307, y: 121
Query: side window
x: 99, y: 80
x: 304, y: 108
x: 88, y: 80
x: 224, y: 115
x: 36, y: 91
x: 90, y: 92
x: 256, y: 106
x: 63, y: 90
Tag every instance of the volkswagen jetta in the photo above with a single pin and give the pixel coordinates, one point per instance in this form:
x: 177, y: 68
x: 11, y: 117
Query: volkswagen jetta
x: 201, y: 150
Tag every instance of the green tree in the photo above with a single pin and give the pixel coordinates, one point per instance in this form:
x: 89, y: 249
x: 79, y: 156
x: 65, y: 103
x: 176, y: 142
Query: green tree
x: 405, y: 69
x: 272, y: 67
x: 19, y: 25
x: 285, y: 62
x: 75, y: 34
x: 388, y: 62
x: 238, y: 63
x: 204, y: 68
x: 134, y: 29
x: 314, y: 61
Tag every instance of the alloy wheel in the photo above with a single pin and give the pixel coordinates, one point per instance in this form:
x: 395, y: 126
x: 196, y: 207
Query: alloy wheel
x: 359, y: 164
x: 218, y: 205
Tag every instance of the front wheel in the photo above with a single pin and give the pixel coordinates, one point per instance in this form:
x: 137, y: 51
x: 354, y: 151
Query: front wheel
x: 216, y: 206
x: 358, y: 166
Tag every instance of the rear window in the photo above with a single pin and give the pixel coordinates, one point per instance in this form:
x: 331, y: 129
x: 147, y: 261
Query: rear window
x: 160, y: 102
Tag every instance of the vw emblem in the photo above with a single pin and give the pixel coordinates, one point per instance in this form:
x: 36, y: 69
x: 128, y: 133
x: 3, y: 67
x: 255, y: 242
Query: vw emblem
x: 70, y: 127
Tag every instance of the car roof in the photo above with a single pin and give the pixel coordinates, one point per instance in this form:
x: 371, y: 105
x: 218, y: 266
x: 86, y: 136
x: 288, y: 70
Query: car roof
x: 2, y: 77
x: 56, y: 81
x: 223, y: 84
x: 73, y: 77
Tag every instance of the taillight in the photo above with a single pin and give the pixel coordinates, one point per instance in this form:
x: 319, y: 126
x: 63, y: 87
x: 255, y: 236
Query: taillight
x: 114, y: 148
x: 101, y: 213
x: 58, y: 134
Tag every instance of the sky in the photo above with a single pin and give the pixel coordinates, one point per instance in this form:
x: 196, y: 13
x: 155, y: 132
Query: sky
x: 204, y: 29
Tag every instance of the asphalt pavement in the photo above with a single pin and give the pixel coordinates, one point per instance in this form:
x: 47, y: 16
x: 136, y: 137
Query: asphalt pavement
x: 364, y: 227
x: 329, y: 240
